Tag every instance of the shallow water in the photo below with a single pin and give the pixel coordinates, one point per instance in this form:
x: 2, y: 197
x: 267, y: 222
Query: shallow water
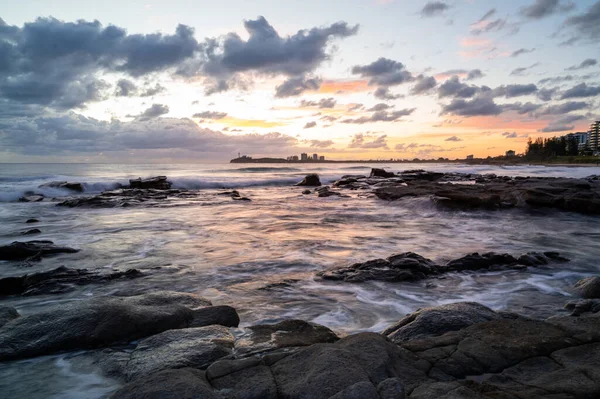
x: 239, y: 253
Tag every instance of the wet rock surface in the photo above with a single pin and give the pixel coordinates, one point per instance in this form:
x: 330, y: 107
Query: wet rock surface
x: 409, y: 266
x: 125, y: 198
x: 154, y: 183
x: 77, y: 187
x: 311, y: 180
x: 59, y: 280
x: 32, y: 249
x: 589, y: 287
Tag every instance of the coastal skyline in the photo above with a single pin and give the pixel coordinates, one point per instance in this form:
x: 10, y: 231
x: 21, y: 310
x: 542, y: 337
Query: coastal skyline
x: 364, y: 79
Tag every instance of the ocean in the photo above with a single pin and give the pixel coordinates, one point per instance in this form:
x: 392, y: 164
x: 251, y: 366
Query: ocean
x: 261, y: 256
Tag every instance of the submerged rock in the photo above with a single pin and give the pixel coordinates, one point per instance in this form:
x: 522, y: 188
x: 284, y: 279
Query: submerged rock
x: 59, y: 280
x: 31, y: 232
x: 33, y: 220
x: 311, y: 180
x: 103, y: 321
x: 155, y: 183
x: 78, y: 187
x: 589, y: 287
x: 32, y: 198
x: 22, y: 250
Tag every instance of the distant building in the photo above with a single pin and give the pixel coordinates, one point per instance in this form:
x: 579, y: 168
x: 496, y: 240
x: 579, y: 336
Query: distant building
x: 315, y: 157
x: 581, y: 138
x: 469, y: 157
x: 322, y: 158
x: 304, y: 156
x: 294, y: 157
x: 510, y: 153
x: 593, y: 138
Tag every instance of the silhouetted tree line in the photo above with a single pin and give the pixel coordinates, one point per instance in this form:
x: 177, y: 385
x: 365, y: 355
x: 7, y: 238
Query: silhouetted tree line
x: 555, y: 146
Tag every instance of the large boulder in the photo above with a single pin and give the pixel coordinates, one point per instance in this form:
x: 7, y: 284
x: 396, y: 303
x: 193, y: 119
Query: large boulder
x: 589, y: 287
x: 156, y: 183
x: 59, y: 280
x: 430, y: 322
x: 103, y: 321
x: 377, y: 172
x: 311, y: 180
x: 22, y: 250
x: 77, y: 187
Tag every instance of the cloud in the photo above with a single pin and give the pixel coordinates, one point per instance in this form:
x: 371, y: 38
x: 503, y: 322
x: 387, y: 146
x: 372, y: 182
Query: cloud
x: 320, y: 143
x: 403, y: 147
x: 587, y: 24
x: 424, y: 84
x: 475, y: 74
x: 152, y: 91
x: 125, y: 88
x: 521, y: 71
x: 585, y: 64
x: 154, y: 111
x: 383, y: 93
x: 434, y: 8
x: 546, y: 94
x: 544, y: 8
x: 296, y: 86
x: 521, y: 108
x: 361, y: 140
x: 514, y: 135
x: 310, y: 125
x: 453, y: 87
x: 322, y: 103
x: 562, y: 124
x: 329, y: 118
x: 381, y: 116
x: 210, y: 115
x: 521, y: 51
x: 564, y: 108
x: 485, y: 24
x: 581, y: 90
x: 481, y: 105
x: 453, y: 138
x: 383, y: 72
x: 380, y: 107
x: 516, y: 90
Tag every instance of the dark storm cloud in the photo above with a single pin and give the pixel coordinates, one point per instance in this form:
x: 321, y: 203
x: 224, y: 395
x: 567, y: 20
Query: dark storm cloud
x: 546, y: 94
x: 587, y: 24
x: 590, y: 62
x: 453, y: 87
x: 210, y: 115
x: 152, y: 91
x: 364, y: 141
x: 434, y: 8
x: 481, y: 105
x: 381, y: 116
x: 453, y: 138
x: 564, y: 108
x: 383, y: 72
x: 322, y: 103
x: 424, y: 84
x: 543, y: 8
x: 580, y: 91
x: 310, y: 125
x: 154, y: 111
x: 266, y: 52
x: 522, y: 51
x: 383, y: 93
x: 295, y: 86
x: 510, y: 91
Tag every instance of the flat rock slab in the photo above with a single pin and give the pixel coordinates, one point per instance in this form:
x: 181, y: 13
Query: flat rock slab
x: 104, y: 321
x: 589, y: 287
x: 31, y: 249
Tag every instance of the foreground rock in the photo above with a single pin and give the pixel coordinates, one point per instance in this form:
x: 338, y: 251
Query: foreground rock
x: 311, y: 180
x: 121, y: 198
x: 77, y: 187
x: 59, y: 280
x: 409, y: 266
x: 589, y: 287
x: 154, y: 183
x: 32, y: 249
x: 103, y: 321
x: 375, y: 172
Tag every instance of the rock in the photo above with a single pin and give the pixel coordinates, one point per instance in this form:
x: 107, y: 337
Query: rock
x: 360, y: 390
x: 431, y: 322
x: 589, y: 287
x: 222, y: 315
x: 31, y: 232
x: 31, y: 198
x: 99, y: 322
x: 249, y: 382
x: 58, y: 280
x: 420, y: 174
x: 175, y: 349
x: 184, y: 383
x: 582, y: 306
x: 240, y: 198
x: 78, y: 187
x: 32, y: 221
x: 288, y: 333
x: 306, y: 192
x: 155, y: 183
x: 7, y: 313
x: 127, y: 197
x: 311, y: 180
x: 392, y: 388
x: 23, y: 250
x: 325, y: 191
x: 376, y: 172
x: 477, y: 262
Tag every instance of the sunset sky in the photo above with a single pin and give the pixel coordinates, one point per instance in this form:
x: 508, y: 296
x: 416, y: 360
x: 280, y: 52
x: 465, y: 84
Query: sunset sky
x: 200, y: 81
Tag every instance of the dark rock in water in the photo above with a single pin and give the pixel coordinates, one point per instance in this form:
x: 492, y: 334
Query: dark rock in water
x: 23, y: 250
x: 583, y: 306
x: 589, y: 287
x: 477, y: 262
x: 431, y: 322
x: 376, y: 172
x: 325, y: 191
x: 58, y: 280
x: 305, y: 192
x: 125, y: 198
x: 156, y: 183
x: 420, y: 174
x: 222, y: 315
x: 32, y: 198
x: 240, y: 198
x: 311, y: 180
x: 31, y: 232
x: 403, y: 267
x: 7, y: 313
x: 184, y: 383
x: 99, y: 322
x: 78, y: 187
x: 32, y: 221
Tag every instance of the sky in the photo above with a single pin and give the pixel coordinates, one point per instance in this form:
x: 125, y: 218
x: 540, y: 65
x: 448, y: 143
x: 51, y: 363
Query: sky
x: 197, y: 81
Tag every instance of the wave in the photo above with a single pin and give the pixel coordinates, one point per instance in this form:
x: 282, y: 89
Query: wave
x: 264, y: 169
